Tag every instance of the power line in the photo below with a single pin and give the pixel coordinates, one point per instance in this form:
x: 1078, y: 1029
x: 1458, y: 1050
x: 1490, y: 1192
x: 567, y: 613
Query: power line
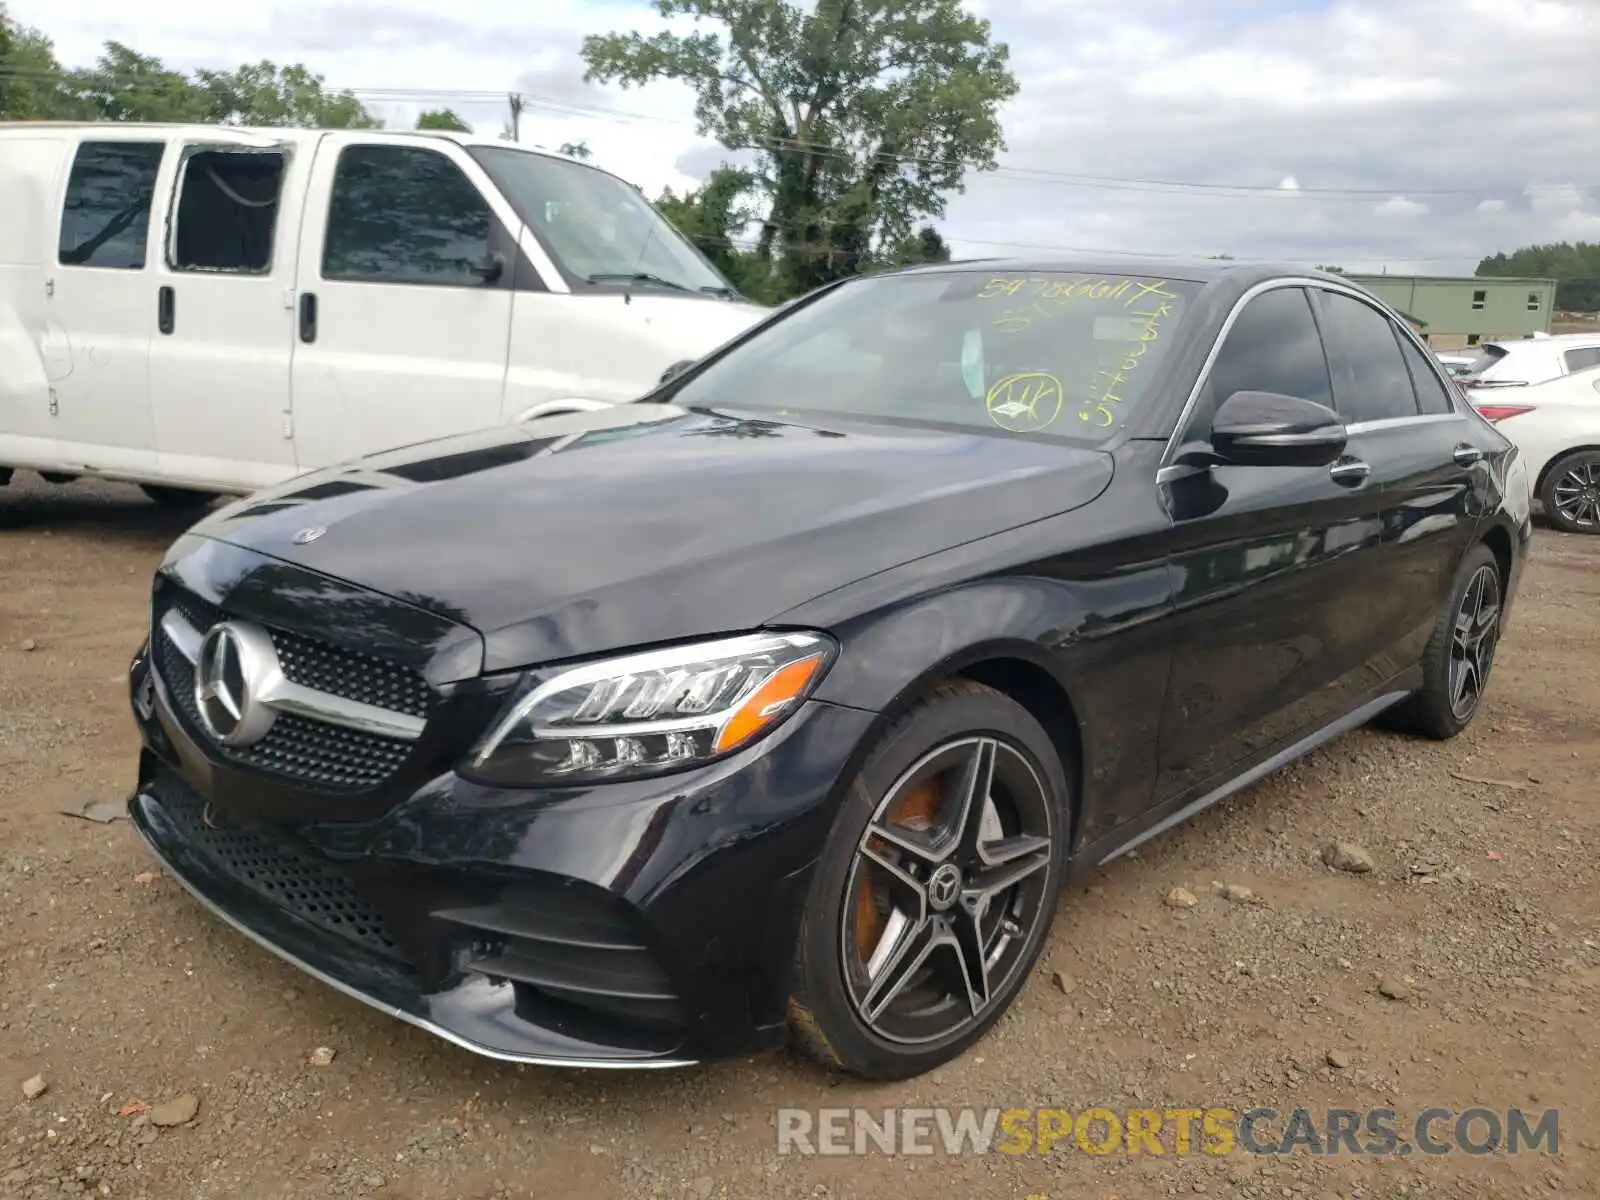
x: 1188, y: 189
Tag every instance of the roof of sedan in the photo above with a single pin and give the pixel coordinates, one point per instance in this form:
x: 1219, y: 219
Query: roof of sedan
x: 1196, y: 270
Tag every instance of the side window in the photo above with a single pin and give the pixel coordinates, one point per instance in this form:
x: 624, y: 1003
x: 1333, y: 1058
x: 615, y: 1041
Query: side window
x: 1370, y: 379
x: 105, y: 219
x: 1431, y: 394
x: 1582, y: 358
x: 399, y: 214
x: 1272, y: 347
x: 227, y: 211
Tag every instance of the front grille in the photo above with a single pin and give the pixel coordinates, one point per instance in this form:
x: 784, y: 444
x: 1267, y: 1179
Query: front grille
x: 281, y: 872
x: 308, y: 752
x: 326, y: 668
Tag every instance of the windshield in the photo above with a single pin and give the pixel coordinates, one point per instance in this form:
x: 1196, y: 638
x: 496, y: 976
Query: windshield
x: 599, y: 228
x: 1055, y: 353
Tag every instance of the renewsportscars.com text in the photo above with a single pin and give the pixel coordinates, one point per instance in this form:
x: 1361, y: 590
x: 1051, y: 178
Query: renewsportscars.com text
x: 1153, y: 1131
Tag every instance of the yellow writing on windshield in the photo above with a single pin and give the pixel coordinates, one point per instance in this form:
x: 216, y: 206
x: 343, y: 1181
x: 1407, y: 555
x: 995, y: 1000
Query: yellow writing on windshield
x: 1046, y: 297
x: 1142, y: 328
x: 1025, y: 402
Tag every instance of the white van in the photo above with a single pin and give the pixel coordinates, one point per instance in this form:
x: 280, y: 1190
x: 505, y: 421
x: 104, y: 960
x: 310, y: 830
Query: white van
x: 204, y: 309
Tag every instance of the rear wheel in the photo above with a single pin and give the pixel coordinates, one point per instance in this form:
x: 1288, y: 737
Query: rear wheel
x: 1570, y: 493
x: 176, y: 497
x: 1460, y: 655
x: 937, y: 887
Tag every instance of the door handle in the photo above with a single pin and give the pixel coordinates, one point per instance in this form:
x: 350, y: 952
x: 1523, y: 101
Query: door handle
x: 166, y: 310
x: 1466, y: 455
x: 1351, y: 472
x: 308, y: 317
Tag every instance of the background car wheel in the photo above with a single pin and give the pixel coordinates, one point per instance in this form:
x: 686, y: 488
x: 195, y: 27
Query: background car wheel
x: 1457, y: 662
x: 1570, y: 493
x: 176, y: 497
x: 936, y: 889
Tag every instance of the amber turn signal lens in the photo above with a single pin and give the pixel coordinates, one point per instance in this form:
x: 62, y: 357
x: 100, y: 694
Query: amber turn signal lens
x: 767, y: 703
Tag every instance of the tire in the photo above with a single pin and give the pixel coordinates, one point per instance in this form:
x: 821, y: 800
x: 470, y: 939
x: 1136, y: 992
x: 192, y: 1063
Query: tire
x: 1570, y: 493
x: 911, y: 778
x: 176, y: 497
x: 1431, y: 711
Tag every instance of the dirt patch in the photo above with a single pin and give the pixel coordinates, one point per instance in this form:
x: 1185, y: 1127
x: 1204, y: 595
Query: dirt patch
x: 1480, y: 913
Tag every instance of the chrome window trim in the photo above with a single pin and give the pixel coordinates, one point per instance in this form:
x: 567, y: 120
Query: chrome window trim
x: 1324, y: 285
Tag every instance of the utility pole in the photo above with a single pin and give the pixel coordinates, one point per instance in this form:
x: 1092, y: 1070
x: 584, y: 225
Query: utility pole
x: 515, y: 100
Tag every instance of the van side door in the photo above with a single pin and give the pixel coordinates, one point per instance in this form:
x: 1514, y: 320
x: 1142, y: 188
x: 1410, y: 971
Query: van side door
x: 403, y: 305
x: 222, y: 310
x: 102, y: 301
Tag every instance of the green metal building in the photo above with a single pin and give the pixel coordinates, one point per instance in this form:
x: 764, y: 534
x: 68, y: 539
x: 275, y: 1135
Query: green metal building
x: 1457, y: 312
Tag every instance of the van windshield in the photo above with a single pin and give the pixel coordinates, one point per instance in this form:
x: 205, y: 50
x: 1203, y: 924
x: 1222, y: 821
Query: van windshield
x: 600, y: 229
x: 1053, y: 353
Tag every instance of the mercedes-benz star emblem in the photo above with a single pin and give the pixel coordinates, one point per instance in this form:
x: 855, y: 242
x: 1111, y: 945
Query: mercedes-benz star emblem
x: 306, y: 536
x: 944, y: 885
x: 235, y: 666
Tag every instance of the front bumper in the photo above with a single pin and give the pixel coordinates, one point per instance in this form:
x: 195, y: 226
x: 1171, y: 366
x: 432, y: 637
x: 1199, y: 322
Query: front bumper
x: 635, y: 925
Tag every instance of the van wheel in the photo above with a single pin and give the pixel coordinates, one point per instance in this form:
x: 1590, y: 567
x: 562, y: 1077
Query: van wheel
x: 176, y: 497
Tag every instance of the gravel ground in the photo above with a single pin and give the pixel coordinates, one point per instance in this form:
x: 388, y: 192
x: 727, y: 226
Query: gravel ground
x: 1479, y: 917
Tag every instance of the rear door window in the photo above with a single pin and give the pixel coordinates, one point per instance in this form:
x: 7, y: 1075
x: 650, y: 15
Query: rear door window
x: 1432, y: 398
x: 1370, y: 379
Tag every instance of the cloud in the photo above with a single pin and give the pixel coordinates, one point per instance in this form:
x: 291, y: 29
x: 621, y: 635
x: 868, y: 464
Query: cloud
x: 1333, y: 113
x: 1400, y: 206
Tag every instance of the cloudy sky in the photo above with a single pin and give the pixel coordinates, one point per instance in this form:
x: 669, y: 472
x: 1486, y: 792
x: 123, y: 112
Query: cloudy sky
x: 1416, y: 135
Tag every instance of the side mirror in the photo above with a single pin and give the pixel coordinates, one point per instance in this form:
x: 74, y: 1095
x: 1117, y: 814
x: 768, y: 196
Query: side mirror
x: 676, y: 369
x: 1265, y: 429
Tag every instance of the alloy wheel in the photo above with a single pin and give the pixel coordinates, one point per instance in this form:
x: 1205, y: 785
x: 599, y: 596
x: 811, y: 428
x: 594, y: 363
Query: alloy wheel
x: 949, y: 882
x: 1472, y: 642
x: 1577, y: 494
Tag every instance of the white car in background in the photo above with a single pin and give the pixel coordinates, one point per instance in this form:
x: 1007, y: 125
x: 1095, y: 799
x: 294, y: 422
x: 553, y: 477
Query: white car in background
x: 1556, y: 427
x: 1457, y: 364
x: 1528, y: 361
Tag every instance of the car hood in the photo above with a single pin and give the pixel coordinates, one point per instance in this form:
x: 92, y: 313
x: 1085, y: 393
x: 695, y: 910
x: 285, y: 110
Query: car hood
x: 598, y: 531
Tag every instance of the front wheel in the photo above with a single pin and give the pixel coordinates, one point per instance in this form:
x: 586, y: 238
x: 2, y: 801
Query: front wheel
x: 1460, y: 655
x: 1570, y: 493
x: 937, y: 887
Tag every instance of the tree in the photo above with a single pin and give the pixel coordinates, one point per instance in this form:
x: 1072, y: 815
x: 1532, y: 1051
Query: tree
x: 578, y: 150
x: 31, y: 79
x: 124, y: 85
x: 264, y: 93
x: 924, y: 246
x: 443, y: 118
x: 865, y: 113
x: 714, y: 217
x: 1575, y: 267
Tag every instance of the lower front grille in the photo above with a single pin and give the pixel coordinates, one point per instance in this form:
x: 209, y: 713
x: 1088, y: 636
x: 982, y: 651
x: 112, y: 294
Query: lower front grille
x: 280, y: 872
x: 327, y: 757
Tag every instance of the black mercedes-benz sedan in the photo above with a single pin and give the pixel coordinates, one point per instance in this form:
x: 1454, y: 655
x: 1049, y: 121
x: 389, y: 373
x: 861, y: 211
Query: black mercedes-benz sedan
x: 783, y: 702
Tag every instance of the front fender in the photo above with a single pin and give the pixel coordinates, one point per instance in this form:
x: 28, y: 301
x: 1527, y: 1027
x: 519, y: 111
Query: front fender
x: 1091, y: 625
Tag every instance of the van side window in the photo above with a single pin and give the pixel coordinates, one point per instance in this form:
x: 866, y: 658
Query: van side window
x: 399, y: 214
x: 227, y: 211
x: 105, y: 219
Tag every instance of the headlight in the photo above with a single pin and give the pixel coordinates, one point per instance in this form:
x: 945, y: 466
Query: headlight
x: 643, y: 714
